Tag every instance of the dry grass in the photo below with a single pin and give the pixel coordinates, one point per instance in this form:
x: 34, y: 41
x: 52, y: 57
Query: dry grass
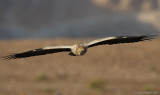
x: 124, y: 69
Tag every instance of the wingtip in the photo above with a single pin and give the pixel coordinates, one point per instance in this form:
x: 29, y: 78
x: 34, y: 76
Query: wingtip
x: 149, y: 37
x: 9, y: 57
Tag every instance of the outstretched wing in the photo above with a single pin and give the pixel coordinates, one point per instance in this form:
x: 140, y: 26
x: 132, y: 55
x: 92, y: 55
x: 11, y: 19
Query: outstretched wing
x: 117, y: 40
x: 37, y: 52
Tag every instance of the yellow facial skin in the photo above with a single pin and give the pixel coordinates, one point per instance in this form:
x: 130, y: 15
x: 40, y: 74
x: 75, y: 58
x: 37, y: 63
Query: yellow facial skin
x: 81, y: 50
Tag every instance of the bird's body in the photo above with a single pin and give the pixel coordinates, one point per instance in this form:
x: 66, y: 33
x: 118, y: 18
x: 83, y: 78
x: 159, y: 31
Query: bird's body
x: 78, y: 49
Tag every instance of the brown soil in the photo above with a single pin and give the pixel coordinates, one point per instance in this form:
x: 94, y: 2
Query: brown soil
x: 122, y: 69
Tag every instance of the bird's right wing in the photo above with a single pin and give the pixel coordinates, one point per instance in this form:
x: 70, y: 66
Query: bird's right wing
x: 40, y: 51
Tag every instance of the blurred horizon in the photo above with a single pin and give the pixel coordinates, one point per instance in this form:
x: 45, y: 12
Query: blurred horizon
x: 78, y: 18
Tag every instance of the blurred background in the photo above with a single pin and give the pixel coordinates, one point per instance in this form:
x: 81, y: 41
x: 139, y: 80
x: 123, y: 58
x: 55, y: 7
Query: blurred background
x: 77, y: 18
x: 123, y: 69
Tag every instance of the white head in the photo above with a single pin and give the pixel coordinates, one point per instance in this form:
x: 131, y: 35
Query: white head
x: 79, y: 49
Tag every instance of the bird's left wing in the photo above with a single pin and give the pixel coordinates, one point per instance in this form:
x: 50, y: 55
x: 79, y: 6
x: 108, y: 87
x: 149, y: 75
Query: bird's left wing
x: 40, y: 51
x: 117, y: 40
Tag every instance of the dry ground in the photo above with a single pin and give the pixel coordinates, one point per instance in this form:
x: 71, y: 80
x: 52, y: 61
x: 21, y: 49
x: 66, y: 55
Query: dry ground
x: 105, y: 70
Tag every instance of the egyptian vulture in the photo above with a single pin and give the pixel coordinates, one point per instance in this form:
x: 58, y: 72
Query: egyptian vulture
x: 80, y: 48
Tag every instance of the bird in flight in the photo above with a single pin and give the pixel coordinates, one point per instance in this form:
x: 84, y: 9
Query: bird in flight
x: 80, y: 48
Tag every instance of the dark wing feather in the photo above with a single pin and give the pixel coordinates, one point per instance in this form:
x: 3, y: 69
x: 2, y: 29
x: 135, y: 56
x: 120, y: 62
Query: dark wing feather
x: 35, y: 52
x: 117, y: 40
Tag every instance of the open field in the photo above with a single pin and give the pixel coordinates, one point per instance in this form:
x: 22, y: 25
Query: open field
x: 122, y: 69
